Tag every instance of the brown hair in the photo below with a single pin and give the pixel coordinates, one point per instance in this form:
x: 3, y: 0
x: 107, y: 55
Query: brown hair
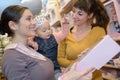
x: 11, y: 13
x: 97, y: 9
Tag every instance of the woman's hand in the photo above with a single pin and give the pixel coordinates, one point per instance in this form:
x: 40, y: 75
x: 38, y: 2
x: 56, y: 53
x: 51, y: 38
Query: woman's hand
x: 65, y: 25
x: 65, y: 22
x: 72, y: 74
x: 83, y: 53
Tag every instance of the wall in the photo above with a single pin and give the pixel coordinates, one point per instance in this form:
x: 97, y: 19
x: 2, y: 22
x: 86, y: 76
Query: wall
x: 34, y: 5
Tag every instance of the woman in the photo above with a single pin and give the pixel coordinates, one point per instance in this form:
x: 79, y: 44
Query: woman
x: 20, y: 62
x: 90, y: 21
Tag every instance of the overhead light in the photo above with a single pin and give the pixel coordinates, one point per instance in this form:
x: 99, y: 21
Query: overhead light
x: 23, y: 1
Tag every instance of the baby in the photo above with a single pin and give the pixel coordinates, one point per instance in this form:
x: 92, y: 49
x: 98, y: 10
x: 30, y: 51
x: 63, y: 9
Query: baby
x: 48, y: 41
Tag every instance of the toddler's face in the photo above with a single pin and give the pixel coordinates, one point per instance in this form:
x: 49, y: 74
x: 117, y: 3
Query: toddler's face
x: 44, y: 31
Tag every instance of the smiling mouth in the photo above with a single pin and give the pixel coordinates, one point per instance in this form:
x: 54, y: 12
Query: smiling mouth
x: 48, y: 35
x: 76, y: 20
x: 32, y: 28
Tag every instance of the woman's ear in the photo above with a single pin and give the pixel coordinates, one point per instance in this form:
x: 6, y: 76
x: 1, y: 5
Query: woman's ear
x: 12, y: 25
x: 90, y: 16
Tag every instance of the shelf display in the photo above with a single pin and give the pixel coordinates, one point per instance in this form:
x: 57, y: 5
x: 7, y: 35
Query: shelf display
x: 110, y: 72
x: 113, y: 28
x: 4, y: 41
x: 67, y: 6
x: 54, y: 16
x: 56, y: 13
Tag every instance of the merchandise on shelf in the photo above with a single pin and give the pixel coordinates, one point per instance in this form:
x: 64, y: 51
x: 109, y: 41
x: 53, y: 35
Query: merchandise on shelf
x: 4, y: 41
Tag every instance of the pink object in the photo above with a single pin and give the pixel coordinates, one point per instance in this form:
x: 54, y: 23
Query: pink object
x: 99, y: 55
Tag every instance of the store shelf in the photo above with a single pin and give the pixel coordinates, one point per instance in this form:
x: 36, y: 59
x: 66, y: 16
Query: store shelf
x: 55, y: 23
x: 55, y: 14
x: 111, y: 66
x: 110, y: 72
x: 55, y: 17
x: 67, y: 7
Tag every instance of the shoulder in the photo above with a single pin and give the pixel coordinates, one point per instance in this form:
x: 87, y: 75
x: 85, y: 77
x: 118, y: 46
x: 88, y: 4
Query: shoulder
x: 12, y: 55
x: 11, y: 51
x: 15, y: 49
x: 98, y: 29
x: 98, y: 32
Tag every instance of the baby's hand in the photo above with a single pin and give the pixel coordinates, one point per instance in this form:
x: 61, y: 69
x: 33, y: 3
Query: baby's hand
x: 33, y: 44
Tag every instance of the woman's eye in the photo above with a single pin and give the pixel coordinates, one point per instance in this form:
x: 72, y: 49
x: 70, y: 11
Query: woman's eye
x: 80, y: 14
x: 29, y: 19
x: 43, y: 31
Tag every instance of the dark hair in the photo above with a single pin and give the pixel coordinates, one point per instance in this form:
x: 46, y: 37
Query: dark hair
x: 11, y: 13
x: 97, y: 9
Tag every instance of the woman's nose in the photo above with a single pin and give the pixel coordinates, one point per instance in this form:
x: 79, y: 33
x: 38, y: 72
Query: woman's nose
x: 74, y: 14
x: 33, y: 21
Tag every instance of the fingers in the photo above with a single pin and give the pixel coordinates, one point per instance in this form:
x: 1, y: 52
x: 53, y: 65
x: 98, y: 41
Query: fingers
x: 65, y: 20
x: 73, y: 66
x: 85, y: 51
x: 87, y: 71
x: 31, y: 38
x: 35, y: 46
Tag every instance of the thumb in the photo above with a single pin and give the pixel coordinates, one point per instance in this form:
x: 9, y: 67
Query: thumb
x: 73, y: 67
x: 87, y: 71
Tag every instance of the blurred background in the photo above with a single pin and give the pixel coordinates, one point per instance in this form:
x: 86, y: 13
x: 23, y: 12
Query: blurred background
x: 34, y: 5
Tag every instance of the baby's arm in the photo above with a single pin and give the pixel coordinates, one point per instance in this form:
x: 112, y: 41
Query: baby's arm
x: 32, y: 43
x: 64, y: 30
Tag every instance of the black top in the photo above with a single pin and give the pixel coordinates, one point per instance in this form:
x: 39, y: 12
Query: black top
x: 49, y: 47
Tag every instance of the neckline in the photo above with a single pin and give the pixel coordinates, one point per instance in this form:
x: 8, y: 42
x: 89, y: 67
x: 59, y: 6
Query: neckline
x: 84, y: 37
x: 25, y: 50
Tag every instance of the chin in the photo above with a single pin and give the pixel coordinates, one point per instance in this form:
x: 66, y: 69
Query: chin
x: 31, y: 35
x: 47, y: 37
x: 75, y: 23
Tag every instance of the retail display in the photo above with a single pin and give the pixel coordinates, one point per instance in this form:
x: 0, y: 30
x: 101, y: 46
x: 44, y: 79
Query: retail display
x: 4, y: 40
x: 61, y: 7
x: 113, y: 10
